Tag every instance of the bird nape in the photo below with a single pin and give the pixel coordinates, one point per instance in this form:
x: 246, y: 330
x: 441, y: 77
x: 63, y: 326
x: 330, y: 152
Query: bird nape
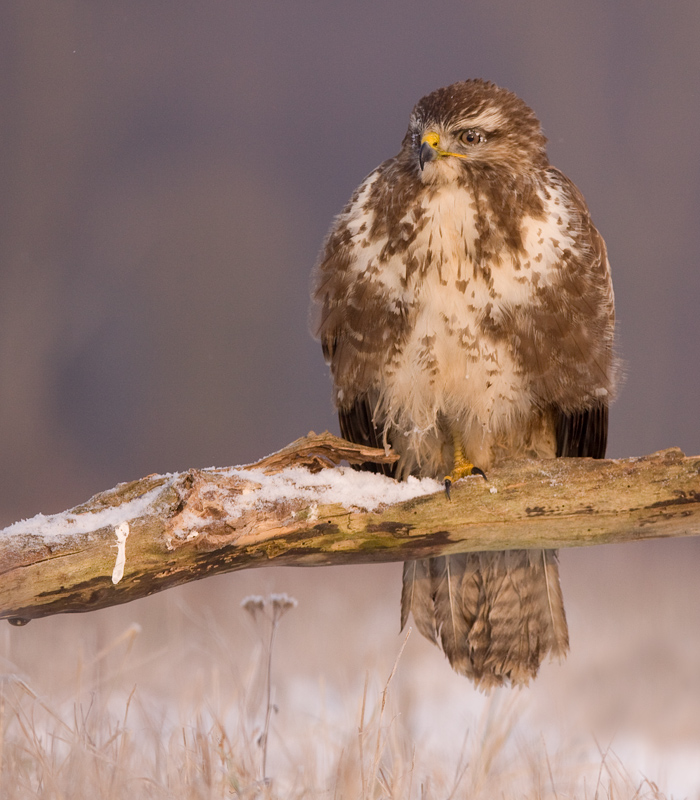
x: 466, y: 310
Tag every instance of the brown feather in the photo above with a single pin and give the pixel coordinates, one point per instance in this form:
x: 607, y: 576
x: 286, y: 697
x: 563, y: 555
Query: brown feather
x: 417, y: 598
x: 446, y: 574
x: 472, y: 299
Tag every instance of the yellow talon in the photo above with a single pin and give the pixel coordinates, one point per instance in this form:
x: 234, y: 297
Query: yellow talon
x: 460, y: 466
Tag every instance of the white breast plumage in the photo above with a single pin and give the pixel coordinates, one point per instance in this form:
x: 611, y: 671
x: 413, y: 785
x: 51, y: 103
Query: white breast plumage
x: 448, y: 362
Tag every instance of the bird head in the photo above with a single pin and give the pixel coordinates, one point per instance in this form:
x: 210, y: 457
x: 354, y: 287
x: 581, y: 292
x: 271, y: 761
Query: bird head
x: 473, y: 125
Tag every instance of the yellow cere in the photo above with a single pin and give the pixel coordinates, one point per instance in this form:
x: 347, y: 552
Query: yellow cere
x: 432, y: 139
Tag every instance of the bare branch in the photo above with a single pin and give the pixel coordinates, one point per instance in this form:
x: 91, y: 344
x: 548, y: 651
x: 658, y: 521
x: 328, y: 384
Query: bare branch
x: 297, y: 508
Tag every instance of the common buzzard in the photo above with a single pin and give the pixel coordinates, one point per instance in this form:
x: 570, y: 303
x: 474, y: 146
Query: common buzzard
x: 466, y: 311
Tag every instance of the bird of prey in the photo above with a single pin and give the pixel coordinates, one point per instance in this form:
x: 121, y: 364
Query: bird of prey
x: 465, y: 307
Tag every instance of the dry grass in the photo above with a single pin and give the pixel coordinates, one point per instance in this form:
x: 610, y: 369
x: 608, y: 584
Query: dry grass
x: 93, y: 750
x: 227, y: 720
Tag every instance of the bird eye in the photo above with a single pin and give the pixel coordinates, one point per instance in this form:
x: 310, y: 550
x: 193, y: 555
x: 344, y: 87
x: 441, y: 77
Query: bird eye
x: 472, y: 136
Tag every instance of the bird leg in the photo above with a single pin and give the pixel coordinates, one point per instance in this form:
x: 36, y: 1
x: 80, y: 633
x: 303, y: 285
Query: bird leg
x: 460, y: 466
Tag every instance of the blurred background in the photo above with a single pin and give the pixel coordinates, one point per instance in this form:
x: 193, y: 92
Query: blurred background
x: 168, y: 173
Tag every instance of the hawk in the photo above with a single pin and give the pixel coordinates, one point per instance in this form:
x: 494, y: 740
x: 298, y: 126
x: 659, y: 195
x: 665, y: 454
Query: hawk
x: 466, y: 310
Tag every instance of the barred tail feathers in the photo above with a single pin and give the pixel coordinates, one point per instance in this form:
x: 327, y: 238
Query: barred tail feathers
x: 495, y: 614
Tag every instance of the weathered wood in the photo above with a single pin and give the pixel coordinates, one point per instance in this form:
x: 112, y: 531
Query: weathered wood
x: 182, y: 527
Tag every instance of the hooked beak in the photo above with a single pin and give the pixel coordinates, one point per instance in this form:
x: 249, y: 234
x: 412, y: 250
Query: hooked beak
x: 427, y: 153
x: 429, y: 144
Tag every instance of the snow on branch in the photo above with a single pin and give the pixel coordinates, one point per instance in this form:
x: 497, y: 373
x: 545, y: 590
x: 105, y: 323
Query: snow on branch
x: 300, y: 507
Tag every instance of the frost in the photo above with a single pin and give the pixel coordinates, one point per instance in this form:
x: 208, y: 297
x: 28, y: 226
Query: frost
x: 346, y: 486
x: 61, y: 526
x: 297, y: 487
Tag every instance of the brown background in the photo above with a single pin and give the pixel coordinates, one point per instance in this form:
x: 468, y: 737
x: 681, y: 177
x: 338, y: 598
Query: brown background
x: 168, y: 171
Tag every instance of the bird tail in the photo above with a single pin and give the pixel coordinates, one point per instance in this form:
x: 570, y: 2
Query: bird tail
x: 495, y: 614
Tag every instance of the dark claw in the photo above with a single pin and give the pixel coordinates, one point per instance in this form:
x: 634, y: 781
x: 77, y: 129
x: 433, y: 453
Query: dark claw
x: 448, y: 485
x: 477, y: 471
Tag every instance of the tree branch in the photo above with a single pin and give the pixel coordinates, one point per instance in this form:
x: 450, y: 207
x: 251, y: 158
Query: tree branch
x: 292, y: 509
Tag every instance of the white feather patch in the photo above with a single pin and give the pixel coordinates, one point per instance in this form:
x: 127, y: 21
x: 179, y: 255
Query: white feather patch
x: 447, y: 366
